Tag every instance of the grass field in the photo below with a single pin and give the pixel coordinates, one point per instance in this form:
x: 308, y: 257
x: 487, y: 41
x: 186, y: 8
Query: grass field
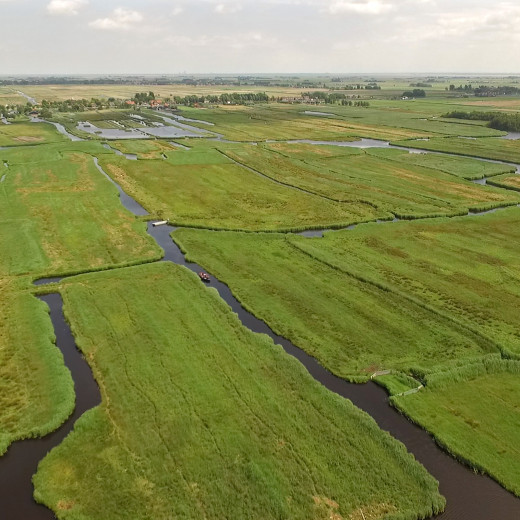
x: 144, y: 148
x: 463, y: 167
x: 381, y: 177
x: 202, y: 418
x: 352, y: 327
x: 203, y: 188
x: 511, y: 182
x: 466, y: 268
x: 36, y: 390
x: 488, y: 148
x: 60, y: 215
x: 483, y: 432
x: 21, y: 133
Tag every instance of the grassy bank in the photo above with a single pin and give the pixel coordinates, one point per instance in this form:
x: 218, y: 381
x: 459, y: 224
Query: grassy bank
x: 36, y: 390
x: 484, y: 432
x: 202, y: 418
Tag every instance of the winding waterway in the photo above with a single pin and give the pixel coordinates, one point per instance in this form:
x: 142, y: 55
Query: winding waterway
x: 19, y: 464
x: 469, y: 496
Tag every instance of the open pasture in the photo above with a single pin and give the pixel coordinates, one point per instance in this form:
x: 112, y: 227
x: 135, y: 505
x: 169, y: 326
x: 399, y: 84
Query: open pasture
x: 203, y: 188
x: 36, y: 390
x: 376, y: 176
x: 353, y: 327
x: 488, y: 148
x: 61, y: 215
x: 463, y: 167
x: 201, y: 417
x: 144, y: 148
x: 473, y: 413
x: 465, y: 268
x: 21, y: 133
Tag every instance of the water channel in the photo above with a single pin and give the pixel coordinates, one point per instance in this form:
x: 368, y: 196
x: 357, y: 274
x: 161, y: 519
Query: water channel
x: 470, y: 496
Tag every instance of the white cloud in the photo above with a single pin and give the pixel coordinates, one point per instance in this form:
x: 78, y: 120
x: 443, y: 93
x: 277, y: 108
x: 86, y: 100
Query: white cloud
x: 225, y: 8
x: 67, y: 7
x: 177, y: 11
x: 121, y: 19
x: 360, y: 6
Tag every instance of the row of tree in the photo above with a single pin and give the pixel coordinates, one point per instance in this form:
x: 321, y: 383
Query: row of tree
x: 415, y: 93
x: 496, y: 120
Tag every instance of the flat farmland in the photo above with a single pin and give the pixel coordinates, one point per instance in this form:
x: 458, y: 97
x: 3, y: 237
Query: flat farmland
x: 488, y: 148
x: 22, y: 133
x: 464, y: 267
x: 482, y: 432
x: 36, y: 390
x: 383, y: 178
x: 194, y: 188
x: 61, y: 215
x: 351, y: 326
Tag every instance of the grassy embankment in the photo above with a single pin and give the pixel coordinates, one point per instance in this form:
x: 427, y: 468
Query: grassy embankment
x: 385, y: 178
x: 196, y: 187
x: 202, y: 418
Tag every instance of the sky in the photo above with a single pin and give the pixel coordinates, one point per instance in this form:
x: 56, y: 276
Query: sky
x: 263, y: 36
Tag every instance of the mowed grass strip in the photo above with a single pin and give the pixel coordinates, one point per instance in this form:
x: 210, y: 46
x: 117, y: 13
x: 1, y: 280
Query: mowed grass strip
x: 36, y: 390
x: 61, y: 215
x: 486, y: 147
x: 202, y: 418
x: 473, y: 413
x: 465, y: 267
x: 352, y: 327
x: 404, y: 189
x: 205, y: 189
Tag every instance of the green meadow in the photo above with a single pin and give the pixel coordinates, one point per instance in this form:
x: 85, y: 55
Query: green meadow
x: 202, y: 418
x: 60, y: 215
x: 203, y: 188
x: 21, y: 133
x: 488, y: 148
x: 353, y: 327
x: 36, y: 390
x: 143, y: 148
x: 473, y: 413
x: 384, y: 178
x: 465, y: 268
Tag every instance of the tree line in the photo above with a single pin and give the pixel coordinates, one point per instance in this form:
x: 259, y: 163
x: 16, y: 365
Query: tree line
x: 497, y: 120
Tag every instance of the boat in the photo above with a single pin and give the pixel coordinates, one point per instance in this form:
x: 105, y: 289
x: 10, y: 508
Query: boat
x: 204, y: 276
